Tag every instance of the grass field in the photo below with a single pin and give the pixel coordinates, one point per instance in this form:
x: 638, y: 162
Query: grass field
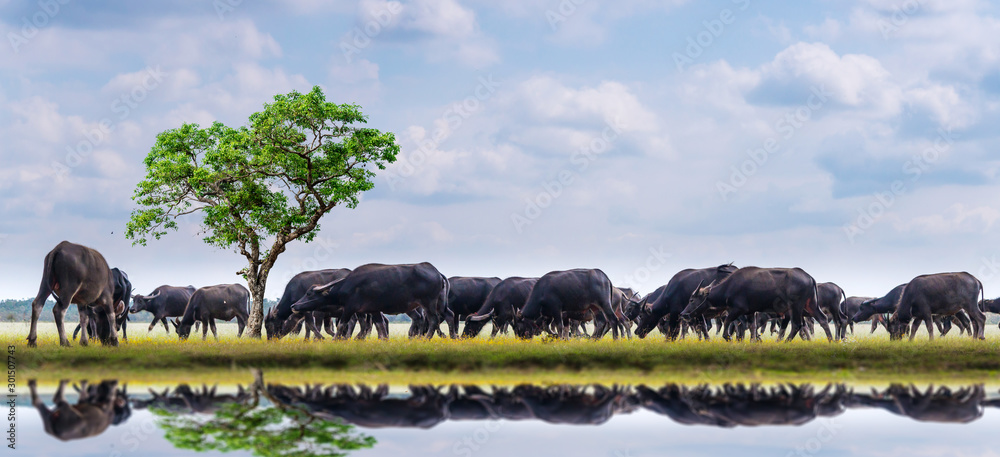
x: 156, y: 356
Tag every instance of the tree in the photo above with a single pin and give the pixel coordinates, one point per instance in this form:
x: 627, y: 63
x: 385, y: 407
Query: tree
x: 261, y: 186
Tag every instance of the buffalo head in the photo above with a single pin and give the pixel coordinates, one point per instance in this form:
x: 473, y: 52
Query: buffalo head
x: 141, y: 302
x: 183, y: 330
x: 698, y: 303
x: 317, y: 298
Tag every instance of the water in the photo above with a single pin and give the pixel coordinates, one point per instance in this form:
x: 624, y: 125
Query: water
x: 616, y: 421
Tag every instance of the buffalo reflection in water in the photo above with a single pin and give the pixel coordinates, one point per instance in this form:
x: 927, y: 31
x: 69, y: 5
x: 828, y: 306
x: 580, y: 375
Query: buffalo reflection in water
x: 98, y: 407
x: 330, y: 408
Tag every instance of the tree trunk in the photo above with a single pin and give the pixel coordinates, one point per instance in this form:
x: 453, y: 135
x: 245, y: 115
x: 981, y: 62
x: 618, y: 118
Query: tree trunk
x: 256, y: 320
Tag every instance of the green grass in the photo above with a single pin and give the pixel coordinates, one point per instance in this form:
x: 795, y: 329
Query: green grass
x: 156, y: 356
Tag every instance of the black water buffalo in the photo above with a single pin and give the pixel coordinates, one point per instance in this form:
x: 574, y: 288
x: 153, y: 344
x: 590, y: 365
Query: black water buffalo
x: 787, y: 291
x: 570, y: 291
x: 501, y: 305
x: 223, y: 301
x: 78, y: 275
x: 670, y: 300
x: 882, y: 305
x: 942, y: 294
x: 851, y: 306
x: 466, y: 295
x: 97, y: 408
x: 830, y: 297
x: 376, y: 288
x: 165, y: 302
x: 991, y: 306
x: 279, y: 320
x: 121, y: 298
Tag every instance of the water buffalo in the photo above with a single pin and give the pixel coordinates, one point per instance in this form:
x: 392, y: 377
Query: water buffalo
x: 830, y: 298
x: 570, y: 291
x: 78, y: 275
x: 670, y: 300
x: 991, y: 306
x: 97, y: 408
x: 425, y: 407
x: 223, y: 301
x: 164, y: 302
x: 942, y: 294
x: 121, y: 297
x: 466, y: 295
x: 787, y: 291
x: 279, y: 320
x: 850, y: 307
x: 881, y: 305
x: 501, y: 305
x: 376, y: 288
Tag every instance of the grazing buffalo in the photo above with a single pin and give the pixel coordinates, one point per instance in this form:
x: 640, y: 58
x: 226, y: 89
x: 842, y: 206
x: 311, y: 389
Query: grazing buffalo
x: 787, y: 291
x: 466, y: 295
x: 376, y: 288
x: 572, y: 292
x: 97, y: 408
x: 943, y: 294
x: 223, y: 301
x: 991, y: 306
x: 501, y: 305
x: 878, y: 306
x: 279, y: 320
x: 830, y: 297
x: 121, y: 297
x: 670, y: 300
x: 850, y: 307
x: 163, y: 303
x: 79, y: 275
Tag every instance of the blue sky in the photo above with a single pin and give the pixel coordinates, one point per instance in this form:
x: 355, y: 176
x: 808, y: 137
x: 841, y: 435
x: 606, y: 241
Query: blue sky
x: 855, y: 139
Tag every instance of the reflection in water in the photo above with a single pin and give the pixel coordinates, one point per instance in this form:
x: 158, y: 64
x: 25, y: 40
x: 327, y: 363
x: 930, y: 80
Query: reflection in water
x: 313, y: 419
x: 98, y: 407
x: 242, y: 422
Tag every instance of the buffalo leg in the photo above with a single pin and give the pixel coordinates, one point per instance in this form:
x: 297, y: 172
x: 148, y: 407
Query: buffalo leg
x: 211, y: 322
x: 916, y: 325
x: 241, y: 324
x: 204, y: 331
x: 108, y: 313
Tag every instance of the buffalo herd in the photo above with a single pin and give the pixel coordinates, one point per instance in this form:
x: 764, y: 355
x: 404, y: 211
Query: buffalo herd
x: 560, y: 303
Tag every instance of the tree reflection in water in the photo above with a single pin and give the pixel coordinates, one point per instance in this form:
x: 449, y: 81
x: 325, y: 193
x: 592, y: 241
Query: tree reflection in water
x: 244, y: 424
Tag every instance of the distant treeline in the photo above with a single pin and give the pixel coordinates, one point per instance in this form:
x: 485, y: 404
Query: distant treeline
x: 19, y: 310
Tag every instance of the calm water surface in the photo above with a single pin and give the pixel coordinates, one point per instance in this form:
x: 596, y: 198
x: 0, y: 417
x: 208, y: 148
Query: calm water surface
x: 107, y: 419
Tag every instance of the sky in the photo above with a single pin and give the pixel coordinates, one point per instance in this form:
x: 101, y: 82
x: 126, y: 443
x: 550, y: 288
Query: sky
x: 849, y: 138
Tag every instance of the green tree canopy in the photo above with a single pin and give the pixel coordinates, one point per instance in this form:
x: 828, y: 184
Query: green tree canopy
x: 260, y: 186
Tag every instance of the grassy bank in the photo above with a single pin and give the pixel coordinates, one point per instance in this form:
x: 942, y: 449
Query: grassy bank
x: 865, y: 358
